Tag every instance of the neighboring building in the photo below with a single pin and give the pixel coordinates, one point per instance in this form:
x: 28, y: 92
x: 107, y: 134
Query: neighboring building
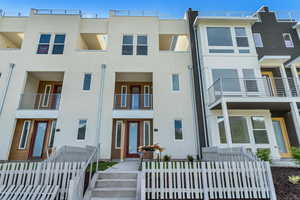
x: 251, y: 83
x: 121, y: 81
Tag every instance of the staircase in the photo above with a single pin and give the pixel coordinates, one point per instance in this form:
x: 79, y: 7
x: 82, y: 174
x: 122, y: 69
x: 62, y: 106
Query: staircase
x: 114, y: 186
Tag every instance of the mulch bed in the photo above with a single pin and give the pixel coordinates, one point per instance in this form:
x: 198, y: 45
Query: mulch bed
x: 284, y: 189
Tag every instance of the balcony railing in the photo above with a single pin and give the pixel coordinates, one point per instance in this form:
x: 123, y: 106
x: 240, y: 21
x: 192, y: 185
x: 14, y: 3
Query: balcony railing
x: 39, y: 101
x: 256, y: 87
x: 133, y: 101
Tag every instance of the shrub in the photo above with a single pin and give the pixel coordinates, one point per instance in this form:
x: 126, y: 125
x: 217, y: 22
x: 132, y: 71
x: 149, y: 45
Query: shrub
x: 166, y: 158
x: 296, y: 154
x: 294, y: 179
x: 190, y: 158
x: 264, y: 154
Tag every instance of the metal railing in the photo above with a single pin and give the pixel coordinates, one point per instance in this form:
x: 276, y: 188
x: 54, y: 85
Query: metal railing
x: 133, y: 101
x: 133, y: 13
x: 55, y: 12
x: 31, y: 101
x: 256, y: 87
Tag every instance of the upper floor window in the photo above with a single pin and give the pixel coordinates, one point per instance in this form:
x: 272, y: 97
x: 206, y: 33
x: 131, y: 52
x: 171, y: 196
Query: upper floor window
x: 175, y: 82
x: 178, y: 130
x: 82, y: 124
x: 288, y: 40
x: 24, y: 135
x: 258, y: 40
x: 44, y: 44
x: 142, y: 45
x: 87, y: 81
x: 59, y: 44
x: 127, y: 47
x: 241, y: 37
x: 229, y: 79
x: 219, y: 36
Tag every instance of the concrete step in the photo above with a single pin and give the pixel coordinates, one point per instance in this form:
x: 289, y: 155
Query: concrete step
x: 113, y: 198
x: 114, y: 192
x: 117, y: 175
x: 116, y: 183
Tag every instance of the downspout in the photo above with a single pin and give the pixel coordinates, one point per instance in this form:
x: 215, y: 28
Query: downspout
x: 100, y: 100
x: 11, y: 68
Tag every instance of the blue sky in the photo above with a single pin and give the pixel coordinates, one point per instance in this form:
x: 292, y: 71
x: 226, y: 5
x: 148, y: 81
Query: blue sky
x: 174, y: 8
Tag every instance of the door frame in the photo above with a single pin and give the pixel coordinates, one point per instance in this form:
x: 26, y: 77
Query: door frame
x: 131, y: 97
x: 127, y: 138
x: 30, y: 156
x: 285, y: 137
x: 270, y: 75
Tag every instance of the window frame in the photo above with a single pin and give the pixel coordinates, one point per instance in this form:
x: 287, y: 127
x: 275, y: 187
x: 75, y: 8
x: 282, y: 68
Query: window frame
x: 118, y: 122
x: 260, y: 40
x: 51, y: 133
x: 125, y: 95
x: 144, y: 131
x: 236, y: 37
x: 44, y: 96
x: 22, y: 135
x: 86, y: 128
x: 122, y: 44
x: 291, y: 40
x: 254, y: 129
x: 148, y: 96
x: 174, y: 122
x: 172, y: 84
x: 53, y: 44
x: 38, y: 44
x: 142, y: 45
x: 90, y: 83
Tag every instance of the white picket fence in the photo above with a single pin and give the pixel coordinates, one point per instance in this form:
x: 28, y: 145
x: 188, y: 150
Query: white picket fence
x: 207, y: 180
x: 25, y: 175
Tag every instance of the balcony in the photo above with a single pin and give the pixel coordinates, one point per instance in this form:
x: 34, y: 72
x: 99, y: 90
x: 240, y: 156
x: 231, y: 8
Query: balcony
x: 39, y: 102
x: 257, y: 89
x: 133, y: 101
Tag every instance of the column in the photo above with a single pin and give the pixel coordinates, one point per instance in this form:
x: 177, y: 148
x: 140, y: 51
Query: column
x: 285, y: 81
x: 122, y: 150
x: 296, y: 78
x: 226, y: 123
x: 296, y: 118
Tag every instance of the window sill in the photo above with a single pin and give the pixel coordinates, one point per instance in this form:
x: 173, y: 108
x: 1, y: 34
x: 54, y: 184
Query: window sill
x: 10, y: 49
x: 170, y: 51
x: 87, y: 50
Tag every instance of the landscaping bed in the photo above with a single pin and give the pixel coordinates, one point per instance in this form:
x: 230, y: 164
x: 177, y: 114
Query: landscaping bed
x: 284, y: 189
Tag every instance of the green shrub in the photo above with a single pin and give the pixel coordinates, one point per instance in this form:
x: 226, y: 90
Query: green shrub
x: 190, y: 158
x: 264, y: 154
x: 296, y: 154
x: 294, y: 179
x: 166, y: 158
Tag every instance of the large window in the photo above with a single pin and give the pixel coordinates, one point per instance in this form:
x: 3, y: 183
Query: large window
x: 229, y: 79
x: 249, y: 80
x: 175, y: 82
x: 142, y: 45
x: 288, y: 40
x: 52, y: 134
x: 44, y: 44
x: 127, y: 47
x: 259, y: 130
x: 147, y: 131
x: 219, y: 36
x: 178, y: 130
x: 241, y: 37
x: 24, y: 135
x: 258, y: 40
x: 87, y: 81
x: 118, y: 134
x: 59, y: 44
x: 222, y: 133
x: 82, y: 125
x: 239, y: 130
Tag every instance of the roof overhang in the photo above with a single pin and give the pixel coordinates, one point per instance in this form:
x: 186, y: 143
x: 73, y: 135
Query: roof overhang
x: 296, y: 26
x: 273, y: 60
x: 295, y: 61
x: 250, y: 20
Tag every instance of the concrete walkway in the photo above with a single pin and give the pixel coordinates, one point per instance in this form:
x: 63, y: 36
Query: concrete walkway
x: 125, y: 166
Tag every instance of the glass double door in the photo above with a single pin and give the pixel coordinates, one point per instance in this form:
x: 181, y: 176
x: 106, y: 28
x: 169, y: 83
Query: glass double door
x: 133, y: 139
x: 39, y: 139
x: 281, y: 137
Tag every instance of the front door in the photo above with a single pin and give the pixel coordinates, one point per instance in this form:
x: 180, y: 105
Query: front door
x: 135, y: 97
x: 133, y: 135
x: 282, y: 137
x: 38, y: 139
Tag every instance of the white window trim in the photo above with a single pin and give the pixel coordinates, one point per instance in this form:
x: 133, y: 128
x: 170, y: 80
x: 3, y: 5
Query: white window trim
x: 125, y: 94
x: 261, y: 45
x: 149, y: 131
x: 29, y: 128
x: 53, y: 43
x: 172, y: 88
x: 86, y: 130
x: 142, y: 45
x: 292, y: 42
x: 116, y: 128
x: 148, y: 96
x: 90, y: 89
x: 178, y: 140
x: 51, y: 132
x: 133, y: 43
x: 44, y: 95
x: 38, y: 43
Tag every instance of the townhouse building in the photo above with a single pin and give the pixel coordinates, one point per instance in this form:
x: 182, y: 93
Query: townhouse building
x: 118, y: 82
x: 248, y: 77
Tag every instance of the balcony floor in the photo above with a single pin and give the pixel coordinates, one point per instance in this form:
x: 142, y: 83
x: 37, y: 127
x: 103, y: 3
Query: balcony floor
x: 132, y: 114
x: 36, y: 114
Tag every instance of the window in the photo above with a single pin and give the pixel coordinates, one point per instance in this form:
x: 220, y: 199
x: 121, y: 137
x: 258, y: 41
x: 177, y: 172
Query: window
x: 81, y: 129
x: 221, y: 51
x: 219, y: 36
x: 241, y: 37
x: 118, y: 134
x: 147, y: 130
x: 239, y: 130
x: 222, y: 133
x: 24, y: 135
x: 44, y: 44
x: 123, y: 96
x: 175, y: 82
x: 259, y: 130
x: 52, y: 134
x: 229, y: 78
x: 127, y: 47
x: 258, y: 40
x: 46, y: 95
x: 249, y: 80
x: 147, y: 96
x: 178, y: 130
x: 87, y: 81
x: 288, y: 40
x: 142, y: 48
x: 59, y: 44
